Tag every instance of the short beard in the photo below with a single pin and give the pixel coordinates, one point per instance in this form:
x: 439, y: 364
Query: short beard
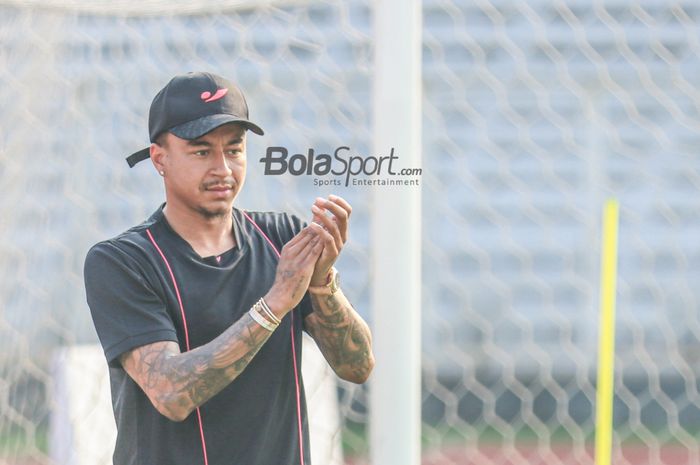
x: 221, y: 214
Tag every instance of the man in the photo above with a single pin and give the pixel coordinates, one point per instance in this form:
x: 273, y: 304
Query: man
x: 200, y: 308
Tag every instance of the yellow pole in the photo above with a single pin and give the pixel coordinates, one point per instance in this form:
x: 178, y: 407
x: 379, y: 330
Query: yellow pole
x: 606, y: 335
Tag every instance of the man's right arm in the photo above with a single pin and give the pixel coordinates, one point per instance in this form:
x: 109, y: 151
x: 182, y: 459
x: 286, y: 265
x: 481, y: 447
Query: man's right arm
x: 178, y: 382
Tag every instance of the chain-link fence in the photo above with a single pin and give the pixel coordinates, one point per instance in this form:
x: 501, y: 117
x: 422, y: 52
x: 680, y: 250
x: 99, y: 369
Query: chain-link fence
x: 77, y: 80
x: 534, y: 113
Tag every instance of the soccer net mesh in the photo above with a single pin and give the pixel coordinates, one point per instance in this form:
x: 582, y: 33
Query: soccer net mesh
x: 534, y: 113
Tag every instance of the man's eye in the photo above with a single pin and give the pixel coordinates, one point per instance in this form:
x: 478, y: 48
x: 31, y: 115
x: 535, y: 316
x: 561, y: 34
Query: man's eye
x: 234, y: 152
x: 201, y: 153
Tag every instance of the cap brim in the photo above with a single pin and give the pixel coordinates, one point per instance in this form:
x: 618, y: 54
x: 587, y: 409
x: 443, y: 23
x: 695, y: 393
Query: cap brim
x: 195, y: 129
x: 136, y: 157
x: 199, y: 127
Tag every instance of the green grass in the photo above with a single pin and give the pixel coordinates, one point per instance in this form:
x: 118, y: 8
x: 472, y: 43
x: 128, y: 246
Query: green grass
x: 17, y: 442
x: 356, y: 440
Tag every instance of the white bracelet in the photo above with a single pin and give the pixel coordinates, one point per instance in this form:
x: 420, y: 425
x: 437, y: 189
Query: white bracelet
x: 261, y: 320
x: 268, y: 312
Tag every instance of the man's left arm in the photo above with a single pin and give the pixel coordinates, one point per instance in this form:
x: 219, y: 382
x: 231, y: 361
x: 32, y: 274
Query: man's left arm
x: 339, y: 331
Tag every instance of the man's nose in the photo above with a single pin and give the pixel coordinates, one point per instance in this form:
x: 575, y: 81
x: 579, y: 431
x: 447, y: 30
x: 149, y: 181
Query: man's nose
x: 220, y: 162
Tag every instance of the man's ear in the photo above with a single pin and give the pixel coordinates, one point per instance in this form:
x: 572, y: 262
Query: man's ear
x: 158, y: 155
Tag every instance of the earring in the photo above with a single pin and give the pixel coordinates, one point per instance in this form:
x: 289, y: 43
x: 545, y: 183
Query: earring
x: 162, y: 173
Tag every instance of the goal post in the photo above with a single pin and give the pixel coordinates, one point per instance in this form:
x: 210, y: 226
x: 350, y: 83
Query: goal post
x: 395, y: 403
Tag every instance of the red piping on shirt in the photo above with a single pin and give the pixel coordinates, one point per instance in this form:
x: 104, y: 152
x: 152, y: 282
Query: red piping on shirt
x: 187, y: 336
x: 294, y: 352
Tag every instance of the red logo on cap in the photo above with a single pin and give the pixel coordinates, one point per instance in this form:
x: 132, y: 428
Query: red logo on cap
x: 207, y: 97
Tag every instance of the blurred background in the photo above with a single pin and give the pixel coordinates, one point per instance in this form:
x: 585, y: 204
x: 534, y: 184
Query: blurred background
x: 534, y: 112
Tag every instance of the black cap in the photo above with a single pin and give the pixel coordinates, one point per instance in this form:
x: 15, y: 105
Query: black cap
x: 192, y: 105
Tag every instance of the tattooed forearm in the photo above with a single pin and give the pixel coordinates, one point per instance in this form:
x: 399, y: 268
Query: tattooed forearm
x: 177, y: 383
x: 342, y: 336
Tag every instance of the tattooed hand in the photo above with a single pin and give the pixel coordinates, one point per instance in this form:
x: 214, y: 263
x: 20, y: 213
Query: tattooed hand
x: 334, y: 233
x: 294, y: 270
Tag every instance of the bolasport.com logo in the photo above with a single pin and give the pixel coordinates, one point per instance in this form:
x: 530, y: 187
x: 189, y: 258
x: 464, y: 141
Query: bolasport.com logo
x: 342, y: 168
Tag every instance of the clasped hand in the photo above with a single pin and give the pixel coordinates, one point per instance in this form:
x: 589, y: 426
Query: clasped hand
x: 334, y: 233
x: 309, y: 256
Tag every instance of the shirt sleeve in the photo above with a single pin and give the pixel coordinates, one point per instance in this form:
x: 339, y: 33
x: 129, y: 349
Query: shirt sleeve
x: 126, y: 310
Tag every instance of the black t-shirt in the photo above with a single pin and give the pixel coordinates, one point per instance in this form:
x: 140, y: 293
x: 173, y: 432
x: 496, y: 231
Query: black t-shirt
x: 133, y: 301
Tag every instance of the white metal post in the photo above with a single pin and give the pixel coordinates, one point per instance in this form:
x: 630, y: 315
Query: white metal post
x: 396, y: 238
